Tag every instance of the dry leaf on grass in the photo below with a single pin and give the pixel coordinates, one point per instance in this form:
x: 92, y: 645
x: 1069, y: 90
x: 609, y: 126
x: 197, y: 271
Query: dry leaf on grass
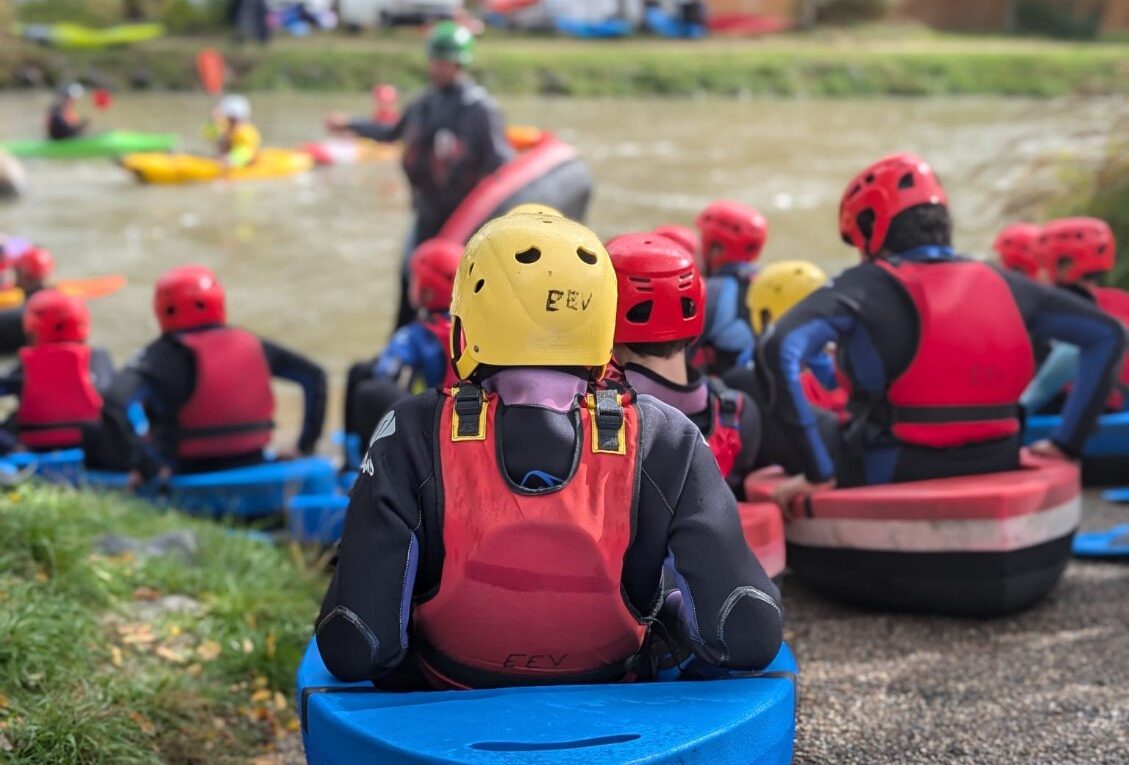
x: 209, y: 650
x: 143, y: 723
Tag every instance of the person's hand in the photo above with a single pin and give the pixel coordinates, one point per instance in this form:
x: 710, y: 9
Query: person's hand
x: 289, y: 454
x: 1047, y: 450
x: 795, y: 487
x: 337, y: 123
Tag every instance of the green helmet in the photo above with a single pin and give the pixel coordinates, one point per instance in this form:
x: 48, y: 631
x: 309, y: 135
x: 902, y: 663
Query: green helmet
x: 451, y: 42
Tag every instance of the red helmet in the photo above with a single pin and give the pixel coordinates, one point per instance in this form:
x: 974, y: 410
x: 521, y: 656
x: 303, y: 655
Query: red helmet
x: 888, y: 187
x: 731, y: 233
x: 55, y: 317
x: 662, y: 297
x: 433, y: 266
x: 683, y: 235
x: 1015, y: 245
x: 1087, y: 245
x: 187, y: 297
x: 34, y: 263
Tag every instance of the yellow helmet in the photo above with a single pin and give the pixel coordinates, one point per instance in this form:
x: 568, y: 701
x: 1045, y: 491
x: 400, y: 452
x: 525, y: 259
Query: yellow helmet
x: 533, y: 289
x: 535, y: 208
x: 779, y: 287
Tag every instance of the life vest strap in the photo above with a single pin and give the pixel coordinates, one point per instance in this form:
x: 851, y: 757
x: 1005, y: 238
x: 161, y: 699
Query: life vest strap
x: 468, y: 422
x: 472, y: 677
x: 940, y: 415
x: 45, y: 426
x: 226, y: 430
x: 608, y: 435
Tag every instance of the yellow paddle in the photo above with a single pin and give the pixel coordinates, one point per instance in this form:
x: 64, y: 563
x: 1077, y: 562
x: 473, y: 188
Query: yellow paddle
x: 90, y: 288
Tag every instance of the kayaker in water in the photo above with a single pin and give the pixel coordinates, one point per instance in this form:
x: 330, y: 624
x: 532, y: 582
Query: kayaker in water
x: 939, y: 402
x: 417, y: 357
x: 59, y: 381
x: 454, y: 135
x: 237, y: 140
x: 733, y: 236
x: 206, y: 387
x: 520, y: 528
x: 1077, y: 254
x: 33, y: 269
x: 63, y: 121
x: 660, y: 312
x: 1015, y: 246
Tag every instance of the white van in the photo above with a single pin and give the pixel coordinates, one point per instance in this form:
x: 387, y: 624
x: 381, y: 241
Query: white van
x: 358, y: 14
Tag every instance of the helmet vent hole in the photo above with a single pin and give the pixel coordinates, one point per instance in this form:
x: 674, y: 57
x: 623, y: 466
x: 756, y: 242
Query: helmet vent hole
x: 532, y: 255
x: 587, y: 256
x: 170, y: 310
x: 906, y: 181
x: 640, y: 313
x: 471, y: 269
x: 478, y: 285
x: 689, y: 308
x: 866, y: 220
x: 200, y: 304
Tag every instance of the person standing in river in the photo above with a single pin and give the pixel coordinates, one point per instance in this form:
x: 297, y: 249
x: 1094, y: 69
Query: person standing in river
x: 453, y: 134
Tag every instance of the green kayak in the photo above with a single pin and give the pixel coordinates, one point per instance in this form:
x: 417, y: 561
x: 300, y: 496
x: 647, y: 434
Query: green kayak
x: 112, y: 144
x: 77, y: 36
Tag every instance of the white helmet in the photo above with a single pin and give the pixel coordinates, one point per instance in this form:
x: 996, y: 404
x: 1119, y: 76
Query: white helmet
x: 235, y: 107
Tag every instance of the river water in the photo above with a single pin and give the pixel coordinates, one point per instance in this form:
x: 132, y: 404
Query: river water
x: 312, y: 261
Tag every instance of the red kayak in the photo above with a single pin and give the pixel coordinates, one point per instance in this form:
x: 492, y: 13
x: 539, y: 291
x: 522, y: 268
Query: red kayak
x: 764, y: 531
x: 974, y: 546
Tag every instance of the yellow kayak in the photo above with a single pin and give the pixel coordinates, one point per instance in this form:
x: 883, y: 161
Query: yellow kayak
x: 165, y: 168
x: 89, y: 288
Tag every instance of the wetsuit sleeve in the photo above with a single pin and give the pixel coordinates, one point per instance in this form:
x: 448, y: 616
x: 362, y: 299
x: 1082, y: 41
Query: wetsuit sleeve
x: 12, y: 381
x: 730, y: 613
x: 11, y: 331
x: 362, y: 630
x: 822, y: 365
x: 402, y: 353
x: 129, y: 388
x: 784, y: 351
x: 291, y: 366
x: 487, y: 135
x: 101, y: 369
x: 1055, y: 314
x: 381, y: 131
x: 1059, y: 368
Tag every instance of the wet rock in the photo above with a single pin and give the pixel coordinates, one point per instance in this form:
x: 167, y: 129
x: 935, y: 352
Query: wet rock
x: 177, y: 543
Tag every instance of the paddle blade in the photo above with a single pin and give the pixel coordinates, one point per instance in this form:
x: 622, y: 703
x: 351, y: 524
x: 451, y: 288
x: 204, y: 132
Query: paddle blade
x: 210, y: 66
x: 93, y: 287
x: 103, y: 99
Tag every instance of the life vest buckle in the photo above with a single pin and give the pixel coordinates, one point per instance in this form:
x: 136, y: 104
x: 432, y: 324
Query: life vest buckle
x: 468, y: 422
x: 609, y: 424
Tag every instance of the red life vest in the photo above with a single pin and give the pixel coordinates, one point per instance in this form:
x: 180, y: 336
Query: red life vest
x: 531, y: 589
x: 973, y: 356
x: 439, y: 324
x: 725, y: 435
x: 230, y: 410
x: 58, y: 396
x: 1115, y: 302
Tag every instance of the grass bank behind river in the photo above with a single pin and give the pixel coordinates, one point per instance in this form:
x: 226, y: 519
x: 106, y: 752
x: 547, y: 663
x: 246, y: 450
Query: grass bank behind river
x: 871, y: 62
x: 116, y: 656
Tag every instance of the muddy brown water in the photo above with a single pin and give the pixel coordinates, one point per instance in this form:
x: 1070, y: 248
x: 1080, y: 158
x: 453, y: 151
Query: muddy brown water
x: 311, y: 261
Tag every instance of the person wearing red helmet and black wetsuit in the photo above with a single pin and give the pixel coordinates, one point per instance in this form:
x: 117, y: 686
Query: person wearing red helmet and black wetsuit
x: 660, y: 312
x: 417, y: 357
x: 33, y: 268
x: 1015, y: 246
x: 936, y: 348
x: 732, y: 238
x: 206, y: 386
x: 60, y: 381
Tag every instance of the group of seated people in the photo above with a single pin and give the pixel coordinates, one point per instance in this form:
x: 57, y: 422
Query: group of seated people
x: 555, y: 448
x: 566, y: 510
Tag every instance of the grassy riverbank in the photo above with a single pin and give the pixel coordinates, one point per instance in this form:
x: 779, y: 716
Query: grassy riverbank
x: 877, y: 61
x: 124, y: 658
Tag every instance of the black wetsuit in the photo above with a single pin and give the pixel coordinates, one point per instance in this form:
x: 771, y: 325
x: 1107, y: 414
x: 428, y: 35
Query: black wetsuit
x: 162, y: 377
x: 59, y: 128
x: 875, y: 327
x: 684, y: 515
x: 453, y: 138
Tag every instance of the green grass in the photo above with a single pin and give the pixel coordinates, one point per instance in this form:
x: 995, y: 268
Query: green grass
x: 871, y: 61
x: 94, y: 670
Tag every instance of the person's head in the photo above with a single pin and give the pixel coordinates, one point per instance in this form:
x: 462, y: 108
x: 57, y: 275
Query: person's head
x: 187, y: 297
x: 71, y: 93
x: 894, y: 206
x: 432, y: 274
x: 234, y: 108
x: 682, y: 235
x: 450, y: 49
x: 1076, y: 250
x: 731, y: 233
x: 33, y: 268
x: 1015, y: 246
x: 54, y: 317
x: 533, y: 290
x: 662, y: 298
x: 778, y: 288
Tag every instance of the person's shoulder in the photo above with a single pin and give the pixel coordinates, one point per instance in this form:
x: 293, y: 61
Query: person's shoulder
x: 664, y: 430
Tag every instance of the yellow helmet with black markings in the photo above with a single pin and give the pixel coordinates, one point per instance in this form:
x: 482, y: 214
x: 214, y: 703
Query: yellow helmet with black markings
x: 533, y: 289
